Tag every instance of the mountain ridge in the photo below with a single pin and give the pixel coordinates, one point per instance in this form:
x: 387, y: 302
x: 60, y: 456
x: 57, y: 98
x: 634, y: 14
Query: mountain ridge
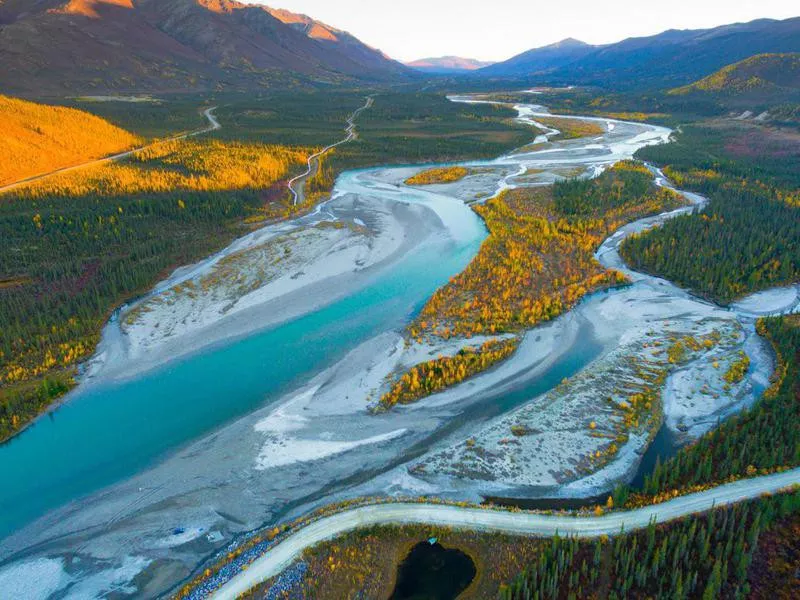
x: 668, y: 59
x: 541, y: 60
x: 447, y: 64
x: 84, y: 46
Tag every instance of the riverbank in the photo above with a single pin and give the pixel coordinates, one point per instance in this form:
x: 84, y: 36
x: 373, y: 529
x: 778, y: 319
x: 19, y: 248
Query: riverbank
x: 295, y: 397
x: 269, y: 277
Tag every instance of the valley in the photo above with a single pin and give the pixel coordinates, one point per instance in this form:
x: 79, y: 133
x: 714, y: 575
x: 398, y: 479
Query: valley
x: 207, y: 189
x: 284, y: 317
x: 290, y: 435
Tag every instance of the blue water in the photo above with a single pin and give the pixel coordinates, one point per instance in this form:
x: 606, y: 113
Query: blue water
x: 106, y: 433
x: 667, y: 443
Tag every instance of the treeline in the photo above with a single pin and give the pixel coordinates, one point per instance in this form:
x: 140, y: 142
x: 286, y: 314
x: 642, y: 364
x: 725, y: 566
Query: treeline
x: 628, y: 182
x: 759, y: 440
x: 747, y: 239
x: 79, y: 245
x: 706, y: 557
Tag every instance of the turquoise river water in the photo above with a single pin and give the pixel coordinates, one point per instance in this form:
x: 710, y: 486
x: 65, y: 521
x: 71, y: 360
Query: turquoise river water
x: 108, y: 432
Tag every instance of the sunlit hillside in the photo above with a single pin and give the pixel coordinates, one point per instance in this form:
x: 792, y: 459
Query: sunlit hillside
x: 38, y: 138
x: 760, y: 71
x: 196, y: 165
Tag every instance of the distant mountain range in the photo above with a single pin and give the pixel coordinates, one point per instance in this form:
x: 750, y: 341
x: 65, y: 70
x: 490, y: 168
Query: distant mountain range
x: 58, y: 46
x: 448, y: 64
x: 669, y: 59
x: 64, y: 47
x: 541, y: 60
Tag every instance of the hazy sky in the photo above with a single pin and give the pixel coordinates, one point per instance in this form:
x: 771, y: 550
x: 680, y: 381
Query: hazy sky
x: 498, y: 29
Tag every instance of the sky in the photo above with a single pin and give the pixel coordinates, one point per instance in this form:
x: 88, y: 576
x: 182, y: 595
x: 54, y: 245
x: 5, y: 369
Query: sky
x: 498, y: 29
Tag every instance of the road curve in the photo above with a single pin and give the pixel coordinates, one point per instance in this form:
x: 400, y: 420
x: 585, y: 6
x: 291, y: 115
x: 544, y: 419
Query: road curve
x: 213, y: 125
x: 298, y: 194
x: 290, y: 549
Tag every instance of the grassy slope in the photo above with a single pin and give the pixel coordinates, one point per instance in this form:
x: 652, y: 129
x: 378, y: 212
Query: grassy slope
x: 38, y: 138
x: 762, y: 73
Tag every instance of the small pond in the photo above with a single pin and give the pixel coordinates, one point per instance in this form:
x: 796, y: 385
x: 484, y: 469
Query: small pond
x: 433, y: 572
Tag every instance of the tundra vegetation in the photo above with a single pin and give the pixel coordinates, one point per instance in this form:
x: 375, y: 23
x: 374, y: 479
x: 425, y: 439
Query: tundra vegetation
x: 770, y: 75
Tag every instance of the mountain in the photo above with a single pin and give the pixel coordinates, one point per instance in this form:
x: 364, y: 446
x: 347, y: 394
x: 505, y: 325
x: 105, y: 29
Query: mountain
x: 336, y: 40
x: 773, y: 74
x: 666, y: 60
x: 767, y: 85
x: 541, y: 60
x: 678, y: 57
x: 57, y: 46
x: 447, y: 64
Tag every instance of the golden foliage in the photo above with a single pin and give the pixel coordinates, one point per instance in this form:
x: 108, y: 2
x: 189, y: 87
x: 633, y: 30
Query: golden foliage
x: 438, y: 175
x: 782, y: 367
x: 530, y: 269
x: 635, y: 116
x: 38, y: 138
x: 572, y: 128
x: 435, y: 375
x: 738, y: 368
x: 367, y: 560
x: 535, y: 264
x: 192, y: 165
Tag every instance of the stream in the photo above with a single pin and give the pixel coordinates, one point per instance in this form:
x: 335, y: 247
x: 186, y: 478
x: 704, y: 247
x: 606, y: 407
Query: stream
x: 155, y: 463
